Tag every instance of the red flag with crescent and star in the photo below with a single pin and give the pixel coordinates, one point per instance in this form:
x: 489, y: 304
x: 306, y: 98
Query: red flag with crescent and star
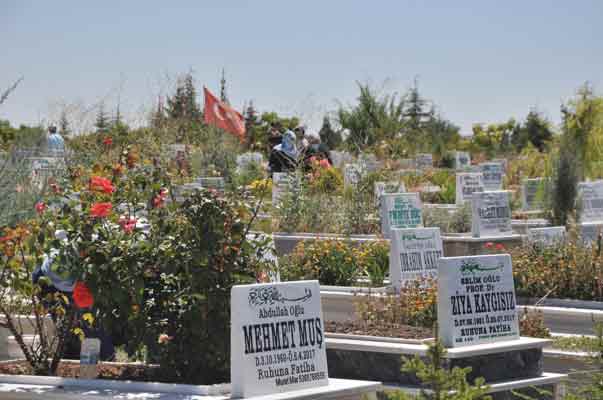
x: 222, y: 115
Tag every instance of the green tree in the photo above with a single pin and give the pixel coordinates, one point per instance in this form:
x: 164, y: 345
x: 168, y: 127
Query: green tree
x: 103, y: 122
x: 64, y: 125
x: 536, y: 130
x: 373, y: 119
x: 328, y: 136
x: 183, y: 104
x: 417, y: 113
x: 440, y: 382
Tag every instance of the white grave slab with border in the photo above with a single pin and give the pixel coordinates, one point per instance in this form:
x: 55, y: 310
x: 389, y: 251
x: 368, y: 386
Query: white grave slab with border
x: 590, y: 231
x: 277, y: 338
x: 476, y: 300
x: 491, y: 214
x: 591, y: 198
x: 468, y: 183
x: 400, y: 210
x: 414, y: 254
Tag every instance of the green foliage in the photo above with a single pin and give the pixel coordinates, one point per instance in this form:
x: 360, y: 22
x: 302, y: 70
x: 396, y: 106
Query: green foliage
x: 494, y: 138
x: 531, y: 324
x: 182, y: 105
x: 373, y: 119
x: 535, y: 130
x: 441, y: 382
x: 24, y: 137
x: 458, y: 221
x: 27, y: 304
x: 103, y: 122
x: 332, y: 262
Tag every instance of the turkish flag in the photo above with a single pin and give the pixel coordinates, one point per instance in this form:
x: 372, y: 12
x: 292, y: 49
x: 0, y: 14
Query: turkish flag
x: 222, y: 115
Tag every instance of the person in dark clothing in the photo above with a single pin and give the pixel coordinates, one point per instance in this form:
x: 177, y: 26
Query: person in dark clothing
x: 284, y: 156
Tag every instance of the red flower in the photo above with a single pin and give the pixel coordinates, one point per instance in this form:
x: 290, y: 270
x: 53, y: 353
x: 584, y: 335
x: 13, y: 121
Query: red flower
x: 82, y: 297
x: 108, y: 141
x: 500, y: 246
x: 100, y: 184
x: 40, y: 207
x: 100, y: 209
x: 489, y: 245
x: 160, y: 198
x: 127, y: 224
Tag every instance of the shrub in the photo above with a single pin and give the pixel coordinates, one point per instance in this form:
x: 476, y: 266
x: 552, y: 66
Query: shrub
x: 565, y: 270
x: 374, y: 259
x: 531, y: 323
x: 332, y: 262
x: 415, y: 305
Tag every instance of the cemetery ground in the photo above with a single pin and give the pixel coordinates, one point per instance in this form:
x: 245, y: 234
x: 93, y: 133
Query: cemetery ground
x: 168, y: 262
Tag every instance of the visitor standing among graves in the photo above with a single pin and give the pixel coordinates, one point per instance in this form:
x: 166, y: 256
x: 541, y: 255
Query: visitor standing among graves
x: 284, y: 156
x: 274, y: 135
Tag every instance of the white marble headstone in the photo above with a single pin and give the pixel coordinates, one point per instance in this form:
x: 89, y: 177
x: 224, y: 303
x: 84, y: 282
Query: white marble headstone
x: 590, y: 231
x: 548, y: 236
x: 532, y: 194
x: 466, y: 184
x: 476, y: 300
x: 591, y: 198
x: 400, y: 210
x: 277, y: 338
x: 414, y: 254
x: 388, y: 187
x: 491, y: 214
x: 493, y: 173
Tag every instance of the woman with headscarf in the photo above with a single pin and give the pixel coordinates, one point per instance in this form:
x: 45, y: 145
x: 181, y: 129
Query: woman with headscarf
x: 284, y: 156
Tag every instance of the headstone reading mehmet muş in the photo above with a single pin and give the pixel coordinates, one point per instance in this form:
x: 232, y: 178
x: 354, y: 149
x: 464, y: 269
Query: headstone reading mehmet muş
x: 476, y: 300
x: 277, y: 338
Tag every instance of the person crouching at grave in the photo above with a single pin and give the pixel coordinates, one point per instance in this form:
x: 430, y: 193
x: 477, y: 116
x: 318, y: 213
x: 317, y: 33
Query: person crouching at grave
x: 316, y: 151
x: 284, y: 156
x: 51, y: 281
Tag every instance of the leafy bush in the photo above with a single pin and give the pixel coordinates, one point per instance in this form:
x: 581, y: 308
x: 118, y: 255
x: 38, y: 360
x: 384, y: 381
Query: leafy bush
x: 374, y: 258
x: 531, y: 323
x: 332, y: 262
x: 458, y: 221
x: 566, y: 270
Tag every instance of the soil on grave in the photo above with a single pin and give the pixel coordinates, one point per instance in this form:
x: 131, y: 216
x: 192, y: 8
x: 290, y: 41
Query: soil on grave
x: 379, y: 329
x: 114, y: 371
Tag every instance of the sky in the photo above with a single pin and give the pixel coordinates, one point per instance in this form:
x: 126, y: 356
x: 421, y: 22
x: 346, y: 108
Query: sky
x: 478, y: 61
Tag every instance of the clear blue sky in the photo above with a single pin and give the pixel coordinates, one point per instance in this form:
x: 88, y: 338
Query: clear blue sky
x: 478, y: 60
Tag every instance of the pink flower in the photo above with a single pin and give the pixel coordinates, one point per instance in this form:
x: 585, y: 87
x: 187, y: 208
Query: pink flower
x: 489, y: 245
x: 108, y: 141
x: 127, y: 224
x: 159, y: 199
x: 325, y: 163
x: 500, y: 246
x: 40, y: 207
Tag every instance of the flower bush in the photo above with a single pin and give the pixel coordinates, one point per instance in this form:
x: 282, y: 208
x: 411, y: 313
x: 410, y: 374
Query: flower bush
x: 566, y: 270
x: 337, y: 262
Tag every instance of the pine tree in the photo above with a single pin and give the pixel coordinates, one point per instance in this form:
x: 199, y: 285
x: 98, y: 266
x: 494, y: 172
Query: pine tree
x: 102, y: 123
x: 158, y: 117
x: 328, y: 136
x: 117, y: 119
x: 415, y: 112
x: 183, y: 104
x: 64, y: 126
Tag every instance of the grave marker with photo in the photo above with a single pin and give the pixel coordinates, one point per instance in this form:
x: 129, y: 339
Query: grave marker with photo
x: 462, y: 159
